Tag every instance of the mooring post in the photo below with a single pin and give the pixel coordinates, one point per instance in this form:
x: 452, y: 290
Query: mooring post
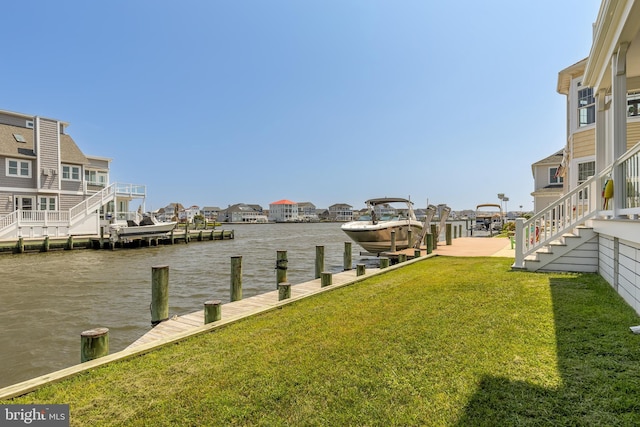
x: 416, y: 253
x: 360, y: 269
x: 236, y: 278
x: 402, y: 257
x: 434, y: 231
x: 459, y: 230
x: 448, y: 234
x: 282, y: 264
x: 186, y: 231
x: 20, y: 245
x: 45, y: 245
x: 212, y: 311
x: 200, y: 236
x: 159, y: 294
x: 70, y: 243
x: 429, y: 243
x: 384, y: 262
x: 284, y: 291
x: 393, y: 240
x: 326, y: 279
x: 94, y: 343
x: 347, y: 256
x: 319, y: 260
x: 409, y: 236
x: 171, y: 238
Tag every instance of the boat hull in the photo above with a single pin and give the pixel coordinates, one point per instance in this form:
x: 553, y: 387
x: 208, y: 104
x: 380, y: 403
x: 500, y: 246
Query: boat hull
x: 376, y: 238
x: 142, y: 231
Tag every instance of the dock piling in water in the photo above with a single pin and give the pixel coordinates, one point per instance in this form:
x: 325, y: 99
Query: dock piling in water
x: 282, y: 264
x: 319, y: 260
x: 347, y: 256
x: 159, y: 294
x: 94, y: 343
x: 236, y: 278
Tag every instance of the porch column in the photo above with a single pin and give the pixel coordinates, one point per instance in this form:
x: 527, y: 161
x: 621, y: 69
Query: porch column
x: 619, y: 121
x: 601, y: 146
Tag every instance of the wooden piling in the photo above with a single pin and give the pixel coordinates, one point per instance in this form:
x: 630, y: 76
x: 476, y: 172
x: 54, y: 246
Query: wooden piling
x: 409, y: 236
x: 236, y: 278
x: 429, y: 243
x: 384, y: 262
x: 416, y: 253
x: 70, y: 243
x: 284, y: 291
x: 159, y: 294
x: 94, y: 343
x: 402, y: 257
x: 393, y: 240
x: 319, y: 261
x: 360, y: 270
x: 326, y: 279
x: 212, y: 311
x: 434, y: 231
x: 282, y: 264
x: 448, y: 234
x: 20, y: 245
x: 348, y: 262
x: 45, y: 244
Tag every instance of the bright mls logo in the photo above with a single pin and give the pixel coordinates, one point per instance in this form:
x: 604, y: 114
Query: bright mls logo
x: 34, y: 415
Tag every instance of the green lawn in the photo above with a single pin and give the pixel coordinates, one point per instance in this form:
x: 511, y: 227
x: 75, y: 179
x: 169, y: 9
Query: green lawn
x: 445, y: 341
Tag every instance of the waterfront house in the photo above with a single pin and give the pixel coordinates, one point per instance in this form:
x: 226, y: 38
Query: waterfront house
x: 283, y: 211
x: 188, y: 214
x: 548, y: 178
x: 594, y: 225
x: 49, y: 187
x: 341, y: 212
x: 242, y: 212
x: 210, y: 213
x: 307, y: 212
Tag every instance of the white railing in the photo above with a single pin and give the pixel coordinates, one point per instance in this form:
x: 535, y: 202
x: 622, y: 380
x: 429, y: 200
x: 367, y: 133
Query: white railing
x: 578, y: 206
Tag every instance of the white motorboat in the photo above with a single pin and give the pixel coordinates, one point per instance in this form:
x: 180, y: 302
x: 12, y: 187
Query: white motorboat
x: 148, y: 227
x: 373, y: 231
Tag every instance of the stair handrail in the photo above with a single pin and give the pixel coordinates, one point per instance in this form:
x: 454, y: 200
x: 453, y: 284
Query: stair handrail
x: 564, y: 214
x: 92, y: 203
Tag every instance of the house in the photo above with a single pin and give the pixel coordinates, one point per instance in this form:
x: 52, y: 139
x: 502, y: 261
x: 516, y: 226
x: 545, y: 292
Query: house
x: 210, y: 213
x: 49, y: 187
x: 188, y: 214
x: 283, y: 211
x: 242, y: 213
x: 169, y: 212
x: 341, y: 212
x: 548, y: 178
x: 307, y: 212
x: 602, y: 147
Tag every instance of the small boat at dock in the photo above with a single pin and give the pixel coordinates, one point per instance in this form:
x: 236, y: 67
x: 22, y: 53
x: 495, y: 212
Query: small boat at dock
x: 373, y: 231
x: 148, y: 227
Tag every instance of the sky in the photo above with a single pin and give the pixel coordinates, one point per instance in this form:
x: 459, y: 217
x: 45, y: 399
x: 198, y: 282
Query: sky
x: 213, y: 103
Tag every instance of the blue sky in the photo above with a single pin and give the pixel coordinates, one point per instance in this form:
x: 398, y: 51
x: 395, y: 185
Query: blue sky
x: 214, y: 103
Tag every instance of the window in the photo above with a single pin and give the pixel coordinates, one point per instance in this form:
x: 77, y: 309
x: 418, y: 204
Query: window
x: 585, y: 170
x: 586, y: 106
x: 71, y: 173
x: 633, y: 104
x: 554, y: 178
x: 95, y: 177
x: 47, y: 203
x: 19, y: 168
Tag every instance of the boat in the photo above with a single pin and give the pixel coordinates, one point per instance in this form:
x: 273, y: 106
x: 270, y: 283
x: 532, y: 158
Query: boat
x: 148, y: 227
x: 489, y: 217
x: 373, y: 230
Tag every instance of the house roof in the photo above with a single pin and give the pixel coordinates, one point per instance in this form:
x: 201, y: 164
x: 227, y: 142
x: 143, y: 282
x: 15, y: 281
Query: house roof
x: 10, y: 147
x: 565, y: 76
x: 284, y: 202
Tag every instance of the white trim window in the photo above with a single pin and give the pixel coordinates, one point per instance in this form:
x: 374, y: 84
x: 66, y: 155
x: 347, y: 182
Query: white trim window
x: 18, y: 168
x: 71, y: 173
x: 554, y: 178
x: 47, y: 203
x: 586, y: 106
x: 585, y: 170
x: 93, y: 177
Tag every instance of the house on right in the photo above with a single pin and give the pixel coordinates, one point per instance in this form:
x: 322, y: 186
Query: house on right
x: 594, y: 225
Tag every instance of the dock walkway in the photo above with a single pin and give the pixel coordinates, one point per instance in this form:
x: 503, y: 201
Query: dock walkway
x: 465, y: 246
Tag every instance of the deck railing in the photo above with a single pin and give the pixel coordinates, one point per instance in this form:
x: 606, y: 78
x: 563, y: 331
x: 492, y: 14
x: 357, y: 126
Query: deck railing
x: 579, y: 205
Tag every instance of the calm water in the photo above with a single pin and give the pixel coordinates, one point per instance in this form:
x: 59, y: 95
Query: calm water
x: 48, y: 299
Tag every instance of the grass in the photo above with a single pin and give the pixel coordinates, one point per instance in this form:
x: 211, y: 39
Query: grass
x: 448, y: 341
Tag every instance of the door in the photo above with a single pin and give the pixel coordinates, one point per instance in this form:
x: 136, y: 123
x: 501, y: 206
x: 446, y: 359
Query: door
x: 24, y: 202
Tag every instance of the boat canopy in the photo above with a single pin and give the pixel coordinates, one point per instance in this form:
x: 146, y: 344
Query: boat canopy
x: 387, y: 200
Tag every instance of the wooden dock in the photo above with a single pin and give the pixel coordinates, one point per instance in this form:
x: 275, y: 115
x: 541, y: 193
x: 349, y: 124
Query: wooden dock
x: 248, y: 306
